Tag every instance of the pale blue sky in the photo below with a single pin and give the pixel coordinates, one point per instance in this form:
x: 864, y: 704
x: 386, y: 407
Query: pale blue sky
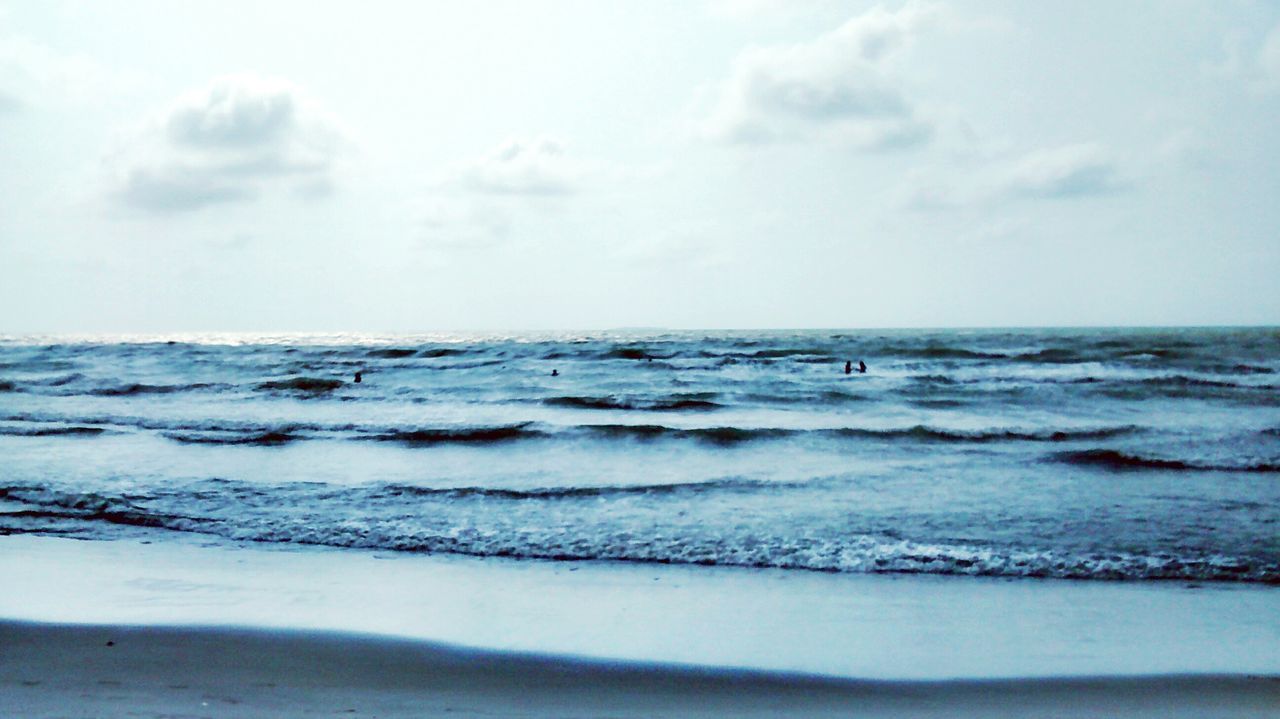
x: 408, y: 166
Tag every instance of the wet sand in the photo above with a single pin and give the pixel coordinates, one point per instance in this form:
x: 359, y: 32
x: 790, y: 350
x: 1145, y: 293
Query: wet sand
x: 56, y: 670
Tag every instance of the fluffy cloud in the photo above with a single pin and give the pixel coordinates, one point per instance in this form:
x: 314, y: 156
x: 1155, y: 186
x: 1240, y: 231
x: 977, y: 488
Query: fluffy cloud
x: 1059, y: 173
x: 479, y: 203
x: 459, y: 224
x: 839, y: 87
x: 228, y: 142
x: 1269, y: 56
x: 1068, y: 171
x: 523, y: 167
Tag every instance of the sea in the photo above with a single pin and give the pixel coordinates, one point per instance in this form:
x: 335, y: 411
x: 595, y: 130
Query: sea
x: 1092, y: 455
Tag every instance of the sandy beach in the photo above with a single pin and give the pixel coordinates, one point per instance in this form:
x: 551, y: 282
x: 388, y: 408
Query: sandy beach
x: 128, y: 629
x: 95, y: 671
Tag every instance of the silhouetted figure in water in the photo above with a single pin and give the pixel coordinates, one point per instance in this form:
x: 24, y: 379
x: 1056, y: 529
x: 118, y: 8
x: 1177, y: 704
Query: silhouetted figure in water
x: 862, y: 367
x: 357, y: 378
x: 555, y: 373
x: 848, y: 368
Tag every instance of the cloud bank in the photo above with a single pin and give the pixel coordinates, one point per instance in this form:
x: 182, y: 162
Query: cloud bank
x: 839, y: 87
x: 228, y: 142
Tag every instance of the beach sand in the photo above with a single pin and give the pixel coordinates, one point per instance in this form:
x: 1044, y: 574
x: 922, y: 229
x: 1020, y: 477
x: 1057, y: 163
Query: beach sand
x: 192, y: 629
x: 49, y: 670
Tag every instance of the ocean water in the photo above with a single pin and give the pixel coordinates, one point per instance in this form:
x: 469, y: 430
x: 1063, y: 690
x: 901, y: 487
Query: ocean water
x: 1094, y: 455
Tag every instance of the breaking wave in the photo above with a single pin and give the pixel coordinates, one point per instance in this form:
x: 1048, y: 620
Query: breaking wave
x: 437, y: 525
x: 1117, y: 460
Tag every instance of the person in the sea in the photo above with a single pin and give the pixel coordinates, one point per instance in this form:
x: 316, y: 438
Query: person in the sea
x: 555, y: 373
x: 358, y: 377
x: 862, y: 367
x: 848, y: 368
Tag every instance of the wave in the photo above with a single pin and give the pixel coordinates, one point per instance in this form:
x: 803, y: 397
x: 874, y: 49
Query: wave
x: 942, y: 352
x: 1118, y: 460
x: 632, y: 353
x: 1189, y: 381
x: 211, y: 426
x: 222, y: 432
x: 127, y: 390
x: 1251, y: 369
x: 438, y: 352
x: 390, y: 353
x: 925, y: 433
x: 822, y: 397
x: 676, y: 403
x: 1178, y: 386
x: 310, y: 385
x: 478, y: 435
x: 52, y: 431
x: 440, y: 521
x: 61, y: 380
x: 715, y: 435
x: 735, y: 435
x: 548, y: 493
x: 268, y: 438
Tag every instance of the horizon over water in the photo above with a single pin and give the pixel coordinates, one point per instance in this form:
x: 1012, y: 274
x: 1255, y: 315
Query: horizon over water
x: 1124, y: 454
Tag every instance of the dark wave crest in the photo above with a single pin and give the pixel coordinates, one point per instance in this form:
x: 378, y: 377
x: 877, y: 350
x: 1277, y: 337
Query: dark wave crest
x: 1117, y: 460
x: 126, y: 390
x: 390, y: 353
x: 549, y: 493
x: 714, y: 435
x: 925, y: 433
x: 269, y: 438
x: 52, y: 431
x: 478, y: 435
x: 311, y: 385
x: 677, y: 403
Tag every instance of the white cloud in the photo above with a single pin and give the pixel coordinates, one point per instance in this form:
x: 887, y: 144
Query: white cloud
x: 840, y: 87
x: 450, y: 223
x: 1067, y: 171
x: 1245, y: 60
x: 524, y: 167
x: 481, y: 202
x: 1055, y: 173
x: 43, y: 76
x: 9, y: 103
x: 228, y: 142
x: 1269, y: 57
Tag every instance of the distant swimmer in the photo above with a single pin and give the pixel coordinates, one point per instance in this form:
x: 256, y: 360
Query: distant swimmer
x: 848, y: 368
x: 862, y: 367
x: 357, y: 378
x: 555, y: 373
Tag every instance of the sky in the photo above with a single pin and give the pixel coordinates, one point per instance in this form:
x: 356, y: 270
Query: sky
x: 419, y: 166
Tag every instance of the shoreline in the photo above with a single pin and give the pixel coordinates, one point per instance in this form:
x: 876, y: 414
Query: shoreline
x: 868, y: 627
x: 63, y: 670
